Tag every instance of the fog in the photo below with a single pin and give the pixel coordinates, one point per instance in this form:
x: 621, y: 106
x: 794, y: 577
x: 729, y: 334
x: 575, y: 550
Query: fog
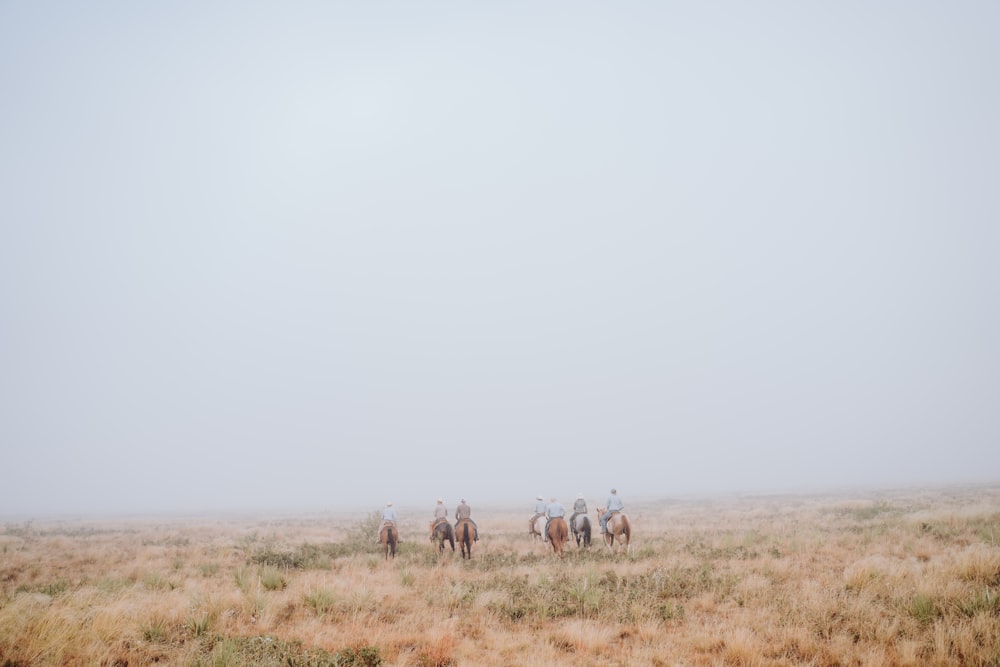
x: 309, y: 255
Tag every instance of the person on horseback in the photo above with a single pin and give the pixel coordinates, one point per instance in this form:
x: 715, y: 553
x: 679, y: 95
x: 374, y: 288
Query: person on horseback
x: 463, y: 511
x: 552, y: 510
x: 579, y: 507
x: 440, y: 512
x: 615, y: 504
x: 540, y: 507
x: 389, y: 515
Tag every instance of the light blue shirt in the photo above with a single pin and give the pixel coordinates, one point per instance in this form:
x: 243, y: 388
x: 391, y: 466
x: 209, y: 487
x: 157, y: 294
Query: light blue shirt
x: 555, y: 509
x: 615, y: 503
x: 389, y: 514
x: 541, y: 506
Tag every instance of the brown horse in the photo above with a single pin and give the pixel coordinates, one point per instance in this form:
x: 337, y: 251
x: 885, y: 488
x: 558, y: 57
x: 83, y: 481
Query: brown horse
x: 465, y: 533
x: 389, y: 537
x: 558, y: 534
x: 619, y: 530
x: 441, y: 531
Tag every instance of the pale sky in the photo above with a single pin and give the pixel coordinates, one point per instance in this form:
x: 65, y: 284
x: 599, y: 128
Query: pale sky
x: 310, y: 255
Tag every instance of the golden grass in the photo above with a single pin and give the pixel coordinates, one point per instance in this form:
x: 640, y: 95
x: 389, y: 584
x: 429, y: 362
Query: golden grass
x: 899, y: 579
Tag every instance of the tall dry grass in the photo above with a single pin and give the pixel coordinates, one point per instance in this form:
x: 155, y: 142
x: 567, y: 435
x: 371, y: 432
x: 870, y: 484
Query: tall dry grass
x: 880, y: 579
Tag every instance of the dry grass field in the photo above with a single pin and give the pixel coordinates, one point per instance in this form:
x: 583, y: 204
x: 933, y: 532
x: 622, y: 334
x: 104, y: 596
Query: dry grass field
x: 900, y: 578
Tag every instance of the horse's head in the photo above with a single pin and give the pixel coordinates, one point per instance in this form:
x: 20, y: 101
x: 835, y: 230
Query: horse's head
x: 600, y: 511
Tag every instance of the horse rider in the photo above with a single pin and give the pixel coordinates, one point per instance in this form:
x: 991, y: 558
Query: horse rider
x: 552, y: 510
x: 540, y: 507
x: 579, y: 507
x: 440, y: 512
x: 389, y: 516
x: 615, y: 504
x: 463, y: 511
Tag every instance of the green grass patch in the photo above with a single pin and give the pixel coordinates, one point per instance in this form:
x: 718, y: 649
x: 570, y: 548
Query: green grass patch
x: 924, y: 609
x: 51, y: 588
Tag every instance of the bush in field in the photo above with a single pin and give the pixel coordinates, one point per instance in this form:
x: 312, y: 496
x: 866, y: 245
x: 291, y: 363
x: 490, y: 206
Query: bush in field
x: 265, y: 651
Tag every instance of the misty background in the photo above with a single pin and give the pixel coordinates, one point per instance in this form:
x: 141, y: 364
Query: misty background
x: 316, y: 255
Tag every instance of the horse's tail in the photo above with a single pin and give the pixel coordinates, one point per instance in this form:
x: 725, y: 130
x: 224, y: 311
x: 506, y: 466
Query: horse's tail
x: 586, y: 531
x: 465, y: 539
x: 392, y: 538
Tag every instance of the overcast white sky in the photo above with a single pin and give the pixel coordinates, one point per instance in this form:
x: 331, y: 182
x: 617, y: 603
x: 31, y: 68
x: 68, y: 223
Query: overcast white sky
x: 309, y: 255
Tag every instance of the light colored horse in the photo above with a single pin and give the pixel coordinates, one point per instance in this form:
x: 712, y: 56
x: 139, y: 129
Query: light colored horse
x: 619, y: 530
x: 465, y: 533
x: 558, y: 534
x: 537, y: 526
x: 389, y: 537
x: 581, y: 530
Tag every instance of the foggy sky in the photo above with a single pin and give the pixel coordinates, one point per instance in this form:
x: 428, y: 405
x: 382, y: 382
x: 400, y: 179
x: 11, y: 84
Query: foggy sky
x: 314, y: 255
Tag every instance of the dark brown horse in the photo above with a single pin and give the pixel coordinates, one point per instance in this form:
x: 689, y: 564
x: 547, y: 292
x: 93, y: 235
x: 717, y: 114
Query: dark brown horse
x: 442, y: 532
x: 558, y: 533
x: 389, y: 537
x: 465, y: 533
x: 619, y: 530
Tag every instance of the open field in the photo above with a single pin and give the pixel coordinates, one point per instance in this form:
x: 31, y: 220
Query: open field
x: 894, y: 578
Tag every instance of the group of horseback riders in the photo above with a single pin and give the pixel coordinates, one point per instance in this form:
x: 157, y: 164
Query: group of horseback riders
x: 550, y: 510
x: 463, y: 511
x: 390, y: 517
x: 553, y: 508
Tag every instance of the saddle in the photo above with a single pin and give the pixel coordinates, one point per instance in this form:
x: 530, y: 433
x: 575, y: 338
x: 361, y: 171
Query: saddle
x: 438, y: 521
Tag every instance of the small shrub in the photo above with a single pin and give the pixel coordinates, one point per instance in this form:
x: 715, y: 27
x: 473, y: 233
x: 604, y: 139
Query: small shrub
x: 272, y: 579
x: 156, y: 631
x: 198, y: 626
x: 320, y: 601
x: 363, y: 656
